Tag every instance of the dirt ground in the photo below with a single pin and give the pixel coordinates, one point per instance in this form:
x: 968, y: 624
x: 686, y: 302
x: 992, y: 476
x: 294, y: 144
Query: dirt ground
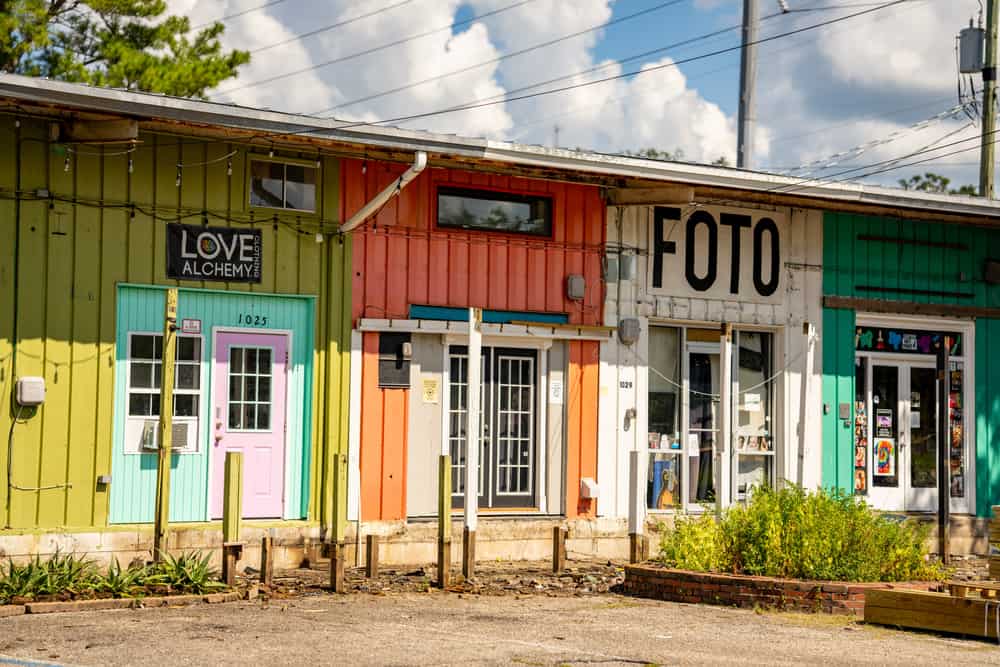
x: 512, y: 615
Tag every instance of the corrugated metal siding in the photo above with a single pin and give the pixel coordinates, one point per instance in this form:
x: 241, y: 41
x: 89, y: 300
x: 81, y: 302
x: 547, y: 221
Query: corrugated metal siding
x: 72, y: 256
x: 943, y: 263
x: 401, y: 258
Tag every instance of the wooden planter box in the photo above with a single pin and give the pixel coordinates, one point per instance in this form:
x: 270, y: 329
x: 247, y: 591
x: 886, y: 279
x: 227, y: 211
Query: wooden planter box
x: 831, y: 597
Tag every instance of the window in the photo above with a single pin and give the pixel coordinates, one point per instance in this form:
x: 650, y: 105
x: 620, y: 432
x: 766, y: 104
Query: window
x: 753, y: 387
x: 249, y: 389
x: 145, y: 371
x: 494, y: 211
x: 663, y: 487
x: 284, y: 186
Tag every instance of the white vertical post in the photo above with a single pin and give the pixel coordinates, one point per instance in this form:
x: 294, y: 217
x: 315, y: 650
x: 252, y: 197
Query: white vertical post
x: 638, y: 460
x: 724, y: 445
x: 472, y: 429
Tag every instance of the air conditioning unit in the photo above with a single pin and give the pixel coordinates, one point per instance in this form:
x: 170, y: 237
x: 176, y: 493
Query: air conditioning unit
x: 150, y: 440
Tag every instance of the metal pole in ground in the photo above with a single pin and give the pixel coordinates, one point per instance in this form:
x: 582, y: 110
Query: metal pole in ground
x: 162, y: 514
x: 943, y: 451
x: 444, y: 521
x: 472, y: 443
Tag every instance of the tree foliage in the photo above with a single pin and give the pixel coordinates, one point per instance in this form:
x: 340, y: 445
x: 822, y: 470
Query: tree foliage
x: 675, y: 156
x: 931, y: 182
x: 114, y: 43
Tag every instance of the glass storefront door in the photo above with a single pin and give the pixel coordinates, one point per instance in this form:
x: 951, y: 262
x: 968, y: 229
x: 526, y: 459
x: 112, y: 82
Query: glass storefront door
x: 902, y: 430
x: 703, y: 421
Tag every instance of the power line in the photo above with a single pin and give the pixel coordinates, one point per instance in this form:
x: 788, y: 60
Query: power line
x: 623, y: 75
x: 375, y: 49
x: 227, y: 17
x: 332, y: 26
x: 512, y: 54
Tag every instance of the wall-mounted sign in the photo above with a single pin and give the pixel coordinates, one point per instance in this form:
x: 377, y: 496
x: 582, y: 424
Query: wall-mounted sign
x: 714, y: 252
x: 213, y: 253
x: 906, y: 341
x: 190, y: 326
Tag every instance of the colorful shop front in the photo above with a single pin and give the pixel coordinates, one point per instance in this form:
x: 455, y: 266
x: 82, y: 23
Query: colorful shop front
x: 107, y: 201
x: 712, y: 384
x: 527, y: 252
x: 894, y: 292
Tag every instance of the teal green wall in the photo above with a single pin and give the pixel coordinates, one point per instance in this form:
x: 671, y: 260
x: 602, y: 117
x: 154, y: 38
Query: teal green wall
x: 140, y: 309
x: 903, y: 271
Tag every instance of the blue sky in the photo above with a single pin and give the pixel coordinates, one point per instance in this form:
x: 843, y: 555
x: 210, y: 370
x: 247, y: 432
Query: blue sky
x: 820, y: 93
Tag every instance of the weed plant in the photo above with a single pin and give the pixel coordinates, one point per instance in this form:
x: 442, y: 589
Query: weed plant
x: 791, y: 533
x: 70, y: 576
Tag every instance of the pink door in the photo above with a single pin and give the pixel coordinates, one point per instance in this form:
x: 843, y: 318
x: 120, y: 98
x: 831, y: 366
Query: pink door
x: 249, y: 417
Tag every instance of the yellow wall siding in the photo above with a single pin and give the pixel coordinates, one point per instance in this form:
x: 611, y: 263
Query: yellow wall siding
x: 71, y: 258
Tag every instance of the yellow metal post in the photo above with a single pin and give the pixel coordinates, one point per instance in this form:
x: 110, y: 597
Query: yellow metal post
x: 444, y: 520
x: 232, y: 514
x: 162, y: 516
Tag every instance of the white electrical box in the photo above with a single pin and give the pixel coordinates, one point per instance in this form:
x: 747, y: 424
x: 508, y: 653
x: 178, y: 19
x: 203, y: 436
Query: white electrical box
x: 576, y: 287
x: 30, y: 390
x: 588, y: 488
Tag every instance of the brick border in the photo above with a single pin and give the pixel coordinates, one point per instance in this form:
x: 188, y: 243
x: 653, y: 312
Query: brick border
x: 124, y: 603
x: 831, y: 597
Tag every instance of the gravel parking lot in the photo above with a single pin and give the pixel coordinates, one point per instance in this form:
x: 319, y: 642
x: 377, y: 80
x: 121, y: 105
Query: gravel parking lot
x: 409, y: 628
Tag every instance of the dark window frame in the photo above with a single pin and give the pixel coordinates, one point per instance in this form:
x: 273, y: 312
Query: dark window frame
x: 486, y: 194
x: 285, y: 164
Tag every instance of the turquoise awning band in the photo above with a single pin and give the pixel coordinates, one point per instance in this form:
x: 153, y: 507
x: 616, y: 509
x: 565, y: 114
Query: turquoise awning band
x: 492, y: 316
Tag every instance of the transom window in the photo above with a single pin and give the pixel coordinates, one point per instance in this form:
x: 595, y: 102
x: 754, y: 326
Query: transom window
x: 146, y: 369
x: 281, y: 185
x: 249, y: 388
x: 494, y: 211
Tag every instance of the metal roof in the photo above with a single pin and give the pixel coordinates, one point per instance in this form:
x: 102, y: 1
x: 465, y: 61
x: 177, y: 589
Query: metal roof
x: 164, y: 107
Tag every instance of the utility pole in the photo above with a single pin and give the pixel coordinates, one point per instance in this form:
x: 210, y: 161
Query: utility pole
x: 748, y: 79
x: 987, y: 155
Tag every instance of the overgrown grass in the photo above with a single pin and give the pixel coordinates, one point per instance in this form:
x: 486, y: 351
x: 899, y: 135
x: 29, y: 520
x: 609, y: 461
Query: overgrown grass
x: 70, y: 576
x: 802, y: 535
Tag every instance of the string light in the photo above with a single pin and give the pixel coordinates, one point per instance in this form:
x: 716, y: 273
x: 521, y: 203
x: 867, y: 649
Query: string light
x: 319, y: 237
x: 178, y: 181
x: 66, y: 164
x: 229, y: 168
x: 130, y: 165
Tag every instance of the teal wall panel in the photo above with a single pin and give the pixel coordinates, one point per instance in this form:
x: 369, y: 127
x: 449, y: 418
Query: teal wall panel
x: 140, y: 309
x: 914, y: 261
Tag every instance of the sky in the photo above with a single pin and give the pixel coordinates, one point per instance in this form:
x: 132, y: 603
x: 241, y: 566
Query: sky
x: 836, y: 101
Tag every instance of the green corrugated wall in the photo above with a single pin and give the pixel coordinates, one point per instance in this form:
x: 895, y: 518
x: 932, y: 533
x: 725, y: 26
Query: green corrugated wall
x: 851, y: 264
x: 71, y: 259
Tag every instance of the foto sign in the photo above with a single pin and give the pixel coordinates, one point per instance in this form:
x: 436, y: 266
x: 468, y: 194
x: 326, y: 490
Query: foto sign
x: 717, y: 252
x: 213, y: 253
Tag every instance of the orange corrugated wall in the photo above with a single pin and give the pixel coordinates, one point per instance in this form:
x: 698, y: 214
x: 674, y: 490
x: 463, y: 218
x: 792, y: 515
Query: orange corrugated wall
x: 400, y: 258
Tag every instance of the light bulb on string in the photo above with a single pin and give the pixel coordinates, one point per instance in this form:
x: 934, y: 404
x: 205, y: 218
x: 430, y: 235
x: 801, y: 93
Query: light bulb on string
x: 66, y: 164
x: 130, y: 165
x: 229, y: 168
x: 178, y: 181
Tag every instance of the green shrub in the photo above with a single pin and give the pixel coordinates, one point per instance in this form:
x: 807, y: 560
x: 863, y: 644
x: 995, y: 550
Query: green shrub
x: 803, y: 535
x: 123, y: 583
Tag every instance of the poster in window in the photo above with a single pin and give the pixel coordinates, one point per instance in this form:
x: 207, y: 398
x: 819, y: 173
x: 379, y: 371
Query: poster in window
x: 885, y: 457
x: 666, y: 485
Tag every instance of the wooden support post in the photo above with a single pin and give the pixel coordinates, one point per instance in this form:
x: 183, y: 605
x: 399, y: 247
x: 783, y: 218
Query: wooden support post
x: 267, y: 560
x: 637, y: 551
x: 232, y: 514
x: 338, y: 556
x: 371, y: 560
x: 444, y: 521
x: 558, y: 549
x: 638, y: 462
x: 338, y: 548
x: 161, y: 518
x: 468, y: 553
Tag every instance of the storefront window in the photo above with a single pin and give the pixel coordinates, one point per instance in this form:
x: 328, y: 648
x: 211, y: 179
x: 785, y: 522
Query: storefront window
x: 663, y: 488
x: 752, y: 351
x: 957, y: 421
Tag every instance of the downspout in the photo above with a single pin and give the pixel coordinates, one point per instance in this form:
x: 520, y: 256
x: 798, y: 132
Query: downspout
x: 379, y: 200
